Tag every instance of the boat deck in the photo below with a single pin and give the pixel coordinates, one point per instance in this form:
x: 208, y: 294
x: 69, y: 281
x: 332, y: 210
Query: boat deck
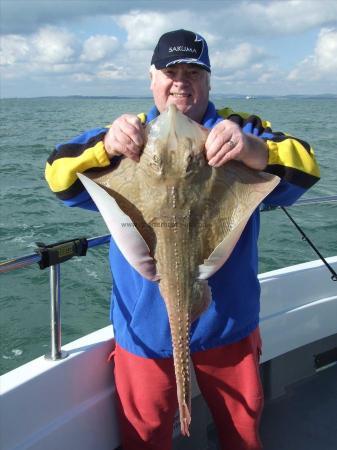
x: 304, y: 418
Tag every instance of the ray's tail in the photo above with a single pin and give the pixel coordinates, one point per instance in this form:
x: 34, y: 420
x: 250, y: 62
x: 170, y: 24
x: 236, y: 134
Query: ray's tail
x: 182, y: 368
x: 184, y: 302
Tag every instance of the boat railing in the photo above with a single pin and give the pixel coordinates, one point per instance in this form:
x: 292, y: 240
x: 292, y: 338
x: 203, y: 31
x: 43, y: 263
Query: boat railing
x: 53, y: 255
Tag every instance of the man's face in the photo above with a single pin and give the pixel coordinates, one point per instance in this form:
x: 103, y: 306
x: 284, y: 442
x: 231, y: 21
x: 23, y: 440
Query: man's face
x: 185, y: 85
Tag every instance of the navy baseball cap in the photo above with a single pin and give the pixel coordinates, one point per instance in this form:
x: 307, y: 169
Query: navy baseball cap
x: 181, y: 46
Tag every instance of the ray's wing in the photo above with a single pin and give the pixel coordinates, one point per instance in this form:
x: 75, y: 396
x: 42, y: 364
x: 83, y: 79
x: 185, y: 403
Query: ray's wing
x: 125, y: 183
x: 234, y: 192
x: 123, y: 230
x: 120, y: 181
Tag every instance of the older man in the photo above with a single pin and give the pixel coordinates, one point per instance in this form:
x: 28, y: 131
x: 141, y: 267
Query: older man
x: 225, y: 342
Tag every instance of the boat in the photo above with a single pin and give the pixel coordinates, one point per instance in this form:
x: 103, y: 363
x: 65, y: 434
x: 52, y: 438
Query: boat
x: 66, y: 399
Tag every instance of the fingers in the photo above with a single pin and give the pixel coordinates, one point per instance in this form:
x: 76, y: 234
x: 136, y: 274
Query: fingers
x: 228, y: 151
x: 226, y: 141
x: 126, y: 137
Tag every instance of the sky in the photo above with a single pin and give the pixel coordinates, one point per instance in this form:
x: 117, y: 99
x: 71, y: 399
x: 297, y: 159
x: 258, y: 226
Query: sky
x: 103, y: 48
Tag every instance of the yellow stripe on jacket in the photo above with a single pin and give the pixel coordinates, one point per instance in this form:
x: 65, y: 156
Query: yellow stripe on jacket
x: 62, y: 173
x: 291, y: 153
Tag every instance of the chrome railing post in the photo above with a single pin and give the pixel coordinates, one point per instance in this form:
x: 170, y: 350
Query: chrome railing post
x: 55, y: 315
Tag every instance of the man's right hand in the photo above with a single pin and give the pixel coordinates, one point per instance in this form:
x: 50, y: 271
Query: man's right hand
x: 126, y: 136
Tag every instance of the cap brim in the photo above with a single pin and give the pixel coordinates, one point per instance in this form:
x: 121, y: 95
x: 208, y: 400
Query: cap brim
x: 163, y: 63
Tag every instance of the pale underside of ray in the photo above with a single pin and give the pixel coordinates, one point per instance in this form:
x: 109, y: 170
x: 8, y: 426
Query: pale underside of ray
x: 204, y: 211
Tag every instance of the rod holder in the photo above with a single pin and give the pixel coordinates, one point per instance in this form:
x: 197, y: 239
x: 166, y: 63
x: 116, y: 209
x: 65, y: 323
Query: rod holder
x: 55, y: 315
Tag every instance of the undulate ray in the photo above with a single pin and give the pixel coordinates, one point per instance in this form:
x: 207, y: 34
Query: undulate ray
x: 187, y: 218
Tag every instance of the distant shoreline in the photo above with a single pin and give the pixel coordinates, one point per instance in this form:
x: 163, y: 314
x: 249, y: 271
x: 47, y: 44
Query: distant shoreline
x: 149, y: 97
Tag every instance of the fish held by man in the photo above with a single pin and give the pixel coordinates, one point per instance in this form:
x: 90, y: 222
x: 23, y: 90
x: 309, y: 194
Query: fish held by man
x: 176, y: 220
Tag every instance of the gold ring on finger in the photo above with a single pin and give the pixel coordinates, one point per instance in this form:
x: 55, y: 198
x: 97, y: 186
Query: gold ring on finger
x: 231, y: 144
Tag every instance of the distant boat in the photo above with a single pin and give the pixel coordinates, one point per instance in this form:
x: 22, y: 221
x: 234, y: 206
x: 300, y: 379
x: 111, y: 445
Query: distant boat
x: 249, y: 97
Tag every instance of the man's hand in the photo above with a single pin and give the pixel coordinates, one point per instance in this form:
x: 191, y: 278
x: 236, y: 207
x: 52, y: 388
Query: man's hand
x: 126, y: 136
x: 227, y: 141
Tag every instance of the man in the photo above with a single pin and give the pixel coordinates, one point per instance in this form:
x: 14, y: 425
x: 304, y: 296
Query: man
x: 225, y: 342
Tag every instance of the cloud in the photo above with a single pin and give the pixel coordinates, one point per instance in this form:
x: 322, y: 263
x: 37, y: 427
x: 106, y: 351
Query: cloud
x: 322, y: 64
x: 50, y: 45
x: 326, y: 52
x: 144, y: 28
x: 25, y: 16
x: 98, y: 47
x: 111, y: 72
x: 242, y: 56
x: 13, y: 48
x: 287, y: 17
x: 53, y: 45
x: 256, y: 78
x: 82, y: 77
x: 54, y: 55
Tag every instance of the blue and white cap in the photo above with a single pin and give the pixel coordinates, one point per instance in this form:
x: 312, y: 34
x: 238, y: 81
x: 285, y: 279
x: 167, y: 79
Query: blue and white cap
x: 181, y: 46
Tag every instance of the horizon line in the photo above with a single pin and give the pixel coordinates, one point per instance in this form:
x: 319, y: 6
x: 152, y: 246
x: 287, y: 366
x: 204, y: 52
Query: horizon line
x: 232, y: 95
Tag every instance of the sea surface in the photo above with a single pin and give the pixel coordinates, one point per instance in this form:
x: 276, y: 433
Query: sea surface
x: 30, y: 213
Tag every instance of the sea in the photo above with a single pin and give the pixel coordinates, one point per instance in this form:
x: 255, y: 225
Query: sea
x: 30, y: 213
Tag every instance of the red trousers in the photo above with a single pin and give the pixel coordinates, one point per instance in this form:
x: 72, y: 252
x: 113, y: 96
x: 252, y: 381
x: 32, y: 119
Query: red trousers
x: 228, y: 378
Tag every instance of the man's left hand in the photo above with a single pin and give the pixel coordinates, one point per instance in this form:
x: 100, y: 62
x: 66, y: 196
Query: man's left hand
x: 227, y: 141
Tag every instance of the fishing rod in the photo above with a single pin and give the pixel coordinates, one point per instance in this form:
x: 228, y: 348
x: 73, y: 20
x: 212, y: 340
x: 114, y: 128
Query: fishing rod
x: 304, y: 202
x: 316, y: 200
x: 315, y: 249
